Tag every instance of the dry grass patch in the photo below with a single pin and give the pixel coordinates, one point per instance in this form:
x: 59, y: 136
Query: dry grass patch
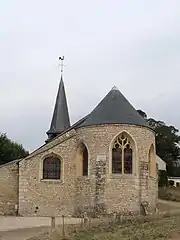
x: 143, y: 229
x: 157, y: 229
x: 41, y: 236
x: 165, y: 225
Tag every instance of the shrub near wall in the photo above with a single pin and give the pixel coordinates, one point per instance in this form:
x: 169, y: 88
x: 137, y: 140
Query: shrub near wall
x: 162, y: 178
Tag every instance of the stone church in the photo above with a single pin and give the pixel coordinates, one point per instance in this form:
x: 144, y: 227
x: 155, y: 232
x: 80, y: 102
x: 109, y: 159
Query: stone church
x: 104, y: 163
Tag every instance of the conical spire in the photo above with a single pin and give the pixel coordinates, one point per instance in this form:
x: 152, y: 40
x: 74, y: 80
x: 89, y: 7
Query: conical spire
x: 60, y: 120
x: 114, y: 109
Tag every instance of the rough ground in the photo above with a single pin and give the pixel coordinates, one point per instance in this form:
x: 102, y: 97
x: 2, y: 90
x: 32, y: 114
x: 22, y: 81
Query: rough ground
x: 12, y: 223
x: 170, y: 206
x: 21, y: 234
x: 19, y: 228
x: 167, y: 228
x: 157, y: 228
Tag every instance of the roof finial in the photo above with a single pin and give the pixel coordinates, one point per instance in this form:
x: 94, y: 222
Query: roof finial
x: 114, y: 88
x: 61, y: 64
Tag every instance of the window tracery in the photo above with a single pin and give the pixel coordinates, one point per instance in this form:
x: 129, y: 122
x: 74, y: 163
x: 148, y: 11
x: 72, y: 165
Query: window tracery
x: 122, y: 155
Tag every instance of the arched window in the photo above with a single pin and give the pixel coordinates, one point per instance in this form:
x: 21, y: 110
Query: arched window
x: 52, y: 168
x: 85, y: 161
x: 152, y: 162
x: 122, y: 155
x: 82, y: 160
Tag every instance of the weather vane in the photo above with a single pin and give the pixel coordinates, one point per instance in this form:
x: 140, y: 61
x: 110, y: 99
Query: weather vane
x: 61, y: 64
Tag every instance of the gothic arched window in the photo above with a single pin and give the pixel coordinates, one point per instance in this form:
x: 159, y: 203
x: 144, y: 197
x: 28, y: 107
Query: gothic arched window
x: 51, y: 168
x: 84, y: 161
x: 152, y: 162
x: 122, y: 155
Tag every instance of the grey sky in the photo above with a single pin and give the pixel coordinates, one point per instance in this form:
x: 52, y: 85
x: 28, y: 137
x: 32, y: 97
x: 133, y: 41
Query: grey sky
x: 134, y: 45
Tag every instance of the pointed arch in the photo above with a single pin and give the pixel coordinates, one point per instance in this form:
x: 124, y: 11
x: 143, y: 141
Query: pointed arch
x: 52, y: 167
x: 85, y: 161
x: 82, y: 158
x: 122, y: 154
x: 152, y: 161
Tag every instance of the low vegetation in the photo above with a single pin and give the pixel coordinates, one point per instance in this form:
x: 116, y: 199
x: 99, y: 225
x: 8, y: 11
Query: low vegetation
x: 165, y: 225
x: 159, y: 229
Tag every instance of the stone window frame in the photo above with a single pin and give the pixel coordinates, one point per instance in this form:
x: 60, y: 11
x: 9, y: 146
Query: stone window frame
x: 79, y: 143
x: 152, y: 173
x: 52, y: 154
x: 134, y: 159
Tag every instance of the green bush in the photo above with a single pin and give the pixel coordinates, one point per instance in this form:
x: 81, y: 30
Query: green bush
x: 163, y: 178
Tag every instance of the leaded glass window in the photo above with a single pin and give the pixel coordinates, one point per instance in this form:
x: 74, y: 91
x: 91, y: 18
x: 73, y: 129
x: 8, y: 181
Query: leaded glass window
x: 51, y: 168
x: 122, y: 155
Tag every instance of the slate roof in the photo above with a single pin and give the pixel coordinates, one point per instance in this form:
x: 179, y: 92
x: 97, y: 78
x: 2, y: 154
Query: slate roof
x: 11, y: 162
x: 60, y: 120
x: 114, y: 109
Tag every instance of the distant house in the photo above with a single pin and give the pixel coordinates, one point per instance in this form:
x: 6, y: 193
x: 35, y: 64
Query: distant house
x: 174, y: 181
x: 161, y: 163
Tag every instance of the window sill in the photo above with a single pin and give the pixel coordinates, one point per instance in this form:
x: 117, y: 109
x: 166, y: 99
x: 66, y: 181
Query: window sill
x: 121, y: 176
x: 152, y: 177
x: 51, y: 181
x: 83, y: 177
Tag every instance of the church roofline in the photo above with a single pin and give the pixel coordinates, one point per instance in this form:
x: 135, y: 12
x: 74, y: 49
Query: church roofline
x: 114, y: 108
x: 11, y: 162
x: 80, y: 123
x: 74, y: 126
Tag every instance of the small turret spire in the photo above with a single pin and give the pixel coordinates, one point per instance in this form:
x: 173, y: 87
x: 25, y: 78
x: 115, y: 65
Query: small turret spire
x: 60, y: 120
x: 61, y: 65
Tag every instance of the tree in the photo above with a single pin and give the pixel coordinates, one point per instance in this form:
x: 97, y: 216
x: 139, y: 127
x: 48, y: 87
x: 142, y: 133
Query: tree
x: 167, y: 144
x: 143, y: 114
x: 163, y: 178
x: 10, y: 150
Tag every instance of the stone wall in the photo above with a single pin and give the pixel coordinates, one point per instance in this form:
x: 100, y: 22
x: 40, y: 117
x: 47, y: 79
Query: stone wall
x: 152, y: 194
x: 100, y: 191
x: 84, y: 200
x: 48, y: 197
x: 122, y: 193
x: 8, y: 188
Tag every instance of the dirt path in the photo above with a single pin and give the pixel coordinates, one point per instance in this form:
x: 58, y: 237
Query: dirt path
x: 170, y: 203
x: 21, y: 234
x: 13, y: 223
x: 19, y: 228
